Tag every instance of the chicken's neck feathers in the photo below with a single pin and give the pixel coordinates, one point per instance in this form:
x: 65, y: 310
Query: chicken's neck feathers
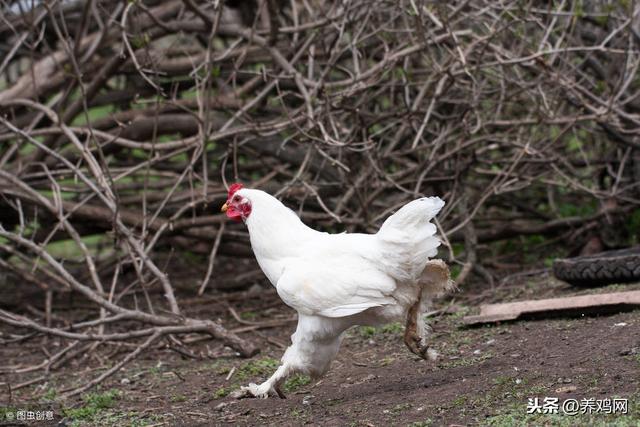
x: 275, y: 230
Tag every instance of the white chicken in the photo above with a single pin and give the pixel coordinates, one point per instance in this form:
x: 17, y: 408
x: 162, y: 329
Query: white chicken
x: 335, y: 281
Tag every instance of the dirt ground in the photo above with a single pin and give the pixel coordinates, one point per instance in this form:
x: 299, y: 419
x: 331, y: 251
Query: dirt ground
x: 484, y: 375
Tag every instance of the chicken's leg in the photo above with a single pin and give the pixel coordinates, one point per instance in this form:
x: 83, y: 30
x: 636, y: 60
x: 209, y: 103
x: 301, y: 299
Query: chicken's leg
x: 313, y: 346
x: 415, y: 341
x: 435, y: 280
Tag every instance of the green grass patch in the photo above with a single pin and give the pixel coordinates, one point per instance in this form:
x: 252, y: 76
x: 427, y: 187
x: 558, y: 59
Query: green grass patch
x: 388, y: 329
x: 49, y: 395
x: 400, y: 408
x: 94, y: 404
x: 177, y: 398
x: 466, y: 361
x: 367, y: 331
x: 98, y: 409
x: 295, y: 382
x: 255, y: 368
x: 8, y: 413
x: 388, y: 360
x: 220, y: 393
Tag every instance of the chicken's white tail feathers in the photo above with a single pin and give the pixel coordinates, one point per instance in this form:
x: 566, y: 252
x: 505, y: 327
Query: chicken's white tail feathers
x: 409, y: 238
x: 418, y: 212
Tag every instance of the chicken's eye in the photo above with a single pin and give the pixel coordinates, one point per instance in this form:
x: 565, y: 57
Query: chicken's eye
x: 236, y: 198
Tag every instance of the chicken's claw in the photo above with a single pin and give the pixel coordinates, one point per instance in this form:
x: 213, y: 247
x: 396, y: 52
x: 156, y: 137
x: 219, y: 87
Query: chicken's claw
x: 418, y: 347
x: 261, y: 391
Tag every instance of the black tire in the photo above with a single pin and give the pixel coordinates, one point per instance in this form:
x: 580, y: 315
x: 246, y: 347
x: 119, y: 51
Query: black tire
x: 600, y: 269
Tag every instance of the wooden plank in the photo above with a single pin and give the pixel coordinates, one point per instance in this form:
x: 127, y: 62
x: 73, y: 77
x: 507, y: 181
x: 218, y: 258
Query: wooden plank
x: 576, y: 305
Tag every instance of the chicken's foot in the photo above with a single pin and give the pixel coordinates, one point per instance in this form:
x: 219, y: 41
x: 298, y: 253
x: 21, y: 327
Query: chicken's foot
x: 271, y: 387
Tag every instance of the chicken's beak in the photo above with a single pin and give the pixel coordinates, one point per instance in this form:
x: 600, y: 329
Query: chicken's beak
x: 224, y: 208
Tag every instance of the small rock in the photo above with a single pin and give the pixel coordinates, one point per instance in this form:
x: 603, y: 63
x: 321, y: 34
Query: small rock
x: 241, y: 393
x: 490, y: 342
x: 432, y: 354
x: 221, y: 406
x: 566, y: 389
x: 372, y: 342
x: 620, y: 324
x: 125, y: 381
x: 515, y: 355
x: 630, y: 351
x: 518, y: 381
x: 307, y: 399
x: 255, y: 289
x: 386, y: 411
x: 476, y: 352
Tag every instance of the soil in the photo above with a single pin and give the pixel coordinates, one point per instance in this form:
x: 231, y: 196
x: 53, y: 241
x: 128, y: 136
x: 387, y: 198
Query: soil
x: 484, y: 375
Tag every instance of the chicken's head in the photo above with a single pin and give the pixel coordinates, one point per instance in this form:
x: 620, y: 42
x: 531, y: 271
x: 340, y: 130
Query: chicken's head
x: 237, y: 207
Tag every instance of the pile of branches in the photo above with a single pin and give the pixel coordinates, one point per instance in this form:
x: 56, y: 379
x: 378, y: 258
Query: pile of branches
x: 122, y: 123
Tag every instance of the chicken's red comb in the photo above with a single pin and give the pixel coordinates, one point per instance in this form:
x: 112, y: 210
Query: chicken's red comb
x: 234, y: 187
